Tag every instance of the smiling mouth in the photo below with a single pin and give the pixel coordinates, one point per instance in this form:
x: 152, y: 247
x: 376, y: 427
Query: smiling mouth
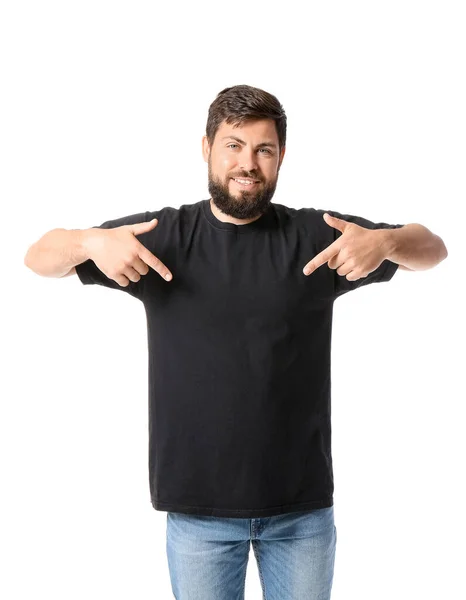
x: 245, y: 183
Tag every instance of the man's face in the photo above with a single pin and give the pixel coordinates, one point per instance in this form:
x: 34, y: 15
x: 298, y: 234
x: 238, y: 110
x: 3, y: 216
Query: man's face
x: 246, y: 152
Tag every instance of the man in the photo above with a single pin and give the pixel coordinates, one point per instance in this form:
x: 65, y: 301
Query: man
x: 239, y: 295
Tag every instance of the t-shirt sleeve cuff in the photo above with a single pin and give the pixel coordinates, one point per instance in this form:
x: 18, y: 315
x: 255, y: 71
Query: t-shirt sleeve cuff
x: 83, y: 274
x: 390, y: 270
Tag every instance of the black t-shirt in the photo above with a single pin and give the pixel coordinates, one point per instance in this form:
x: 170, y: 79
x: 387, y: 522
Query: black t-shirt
x: 239, y: 358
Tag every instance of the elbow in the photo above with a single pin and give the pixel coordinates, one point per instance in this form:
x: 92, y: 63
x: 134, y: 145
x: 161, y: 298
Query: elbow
x: 31, y: 260
x: 27, y: 259
x: 443, y: 252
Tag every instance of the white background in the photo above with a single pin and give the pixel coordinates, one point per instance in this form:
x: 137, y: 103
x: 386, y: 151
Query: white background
x: 103, y: 107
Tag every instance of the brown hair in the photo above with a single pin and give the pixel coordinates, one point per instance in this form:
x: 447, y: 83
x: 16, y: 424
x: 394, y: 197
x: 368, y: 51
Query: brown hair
x: 241, y: 103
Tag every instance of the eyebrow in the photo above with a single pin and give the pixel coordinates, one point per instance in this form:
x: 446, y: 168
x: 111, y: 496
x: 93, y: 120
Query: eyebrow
x: 232, y: 137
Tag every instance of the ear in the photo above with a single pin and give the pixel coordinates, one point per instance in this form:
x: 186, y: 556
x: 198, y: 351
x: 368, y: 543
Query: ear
x: 282, y: 154
x: 205, y: 148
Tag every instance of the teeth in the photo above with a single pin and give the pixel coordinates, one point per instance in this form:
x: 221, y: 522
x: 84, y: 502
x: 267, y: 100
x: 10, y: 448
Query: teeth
x: 244, y: 181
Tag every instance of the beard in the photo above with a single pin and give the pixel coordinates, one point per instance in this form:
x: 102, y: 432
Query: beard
x: 247, y: 205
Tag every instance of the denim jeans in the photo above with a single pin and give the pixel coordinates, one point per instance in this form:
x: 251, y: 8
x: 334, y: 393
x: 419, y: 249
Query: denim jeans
x: 295, y: 554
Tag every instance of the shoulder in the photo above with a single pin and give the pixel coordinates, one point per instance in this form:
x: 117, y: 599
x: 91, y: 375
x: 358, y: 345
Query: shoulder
x: 174, y: 226
x: 299, y: 214
x: 170, y: 214
x: 307, y: 219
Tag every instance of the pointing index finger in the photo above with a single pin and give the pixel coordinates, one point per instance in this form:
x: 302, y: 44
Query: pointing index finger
x: 322, y: 258
x: 155, y: 263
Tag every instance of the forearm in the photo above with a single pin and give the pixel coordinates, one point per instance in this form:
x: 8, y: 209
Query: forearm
x: 57, y: 252
x: 413, y: 246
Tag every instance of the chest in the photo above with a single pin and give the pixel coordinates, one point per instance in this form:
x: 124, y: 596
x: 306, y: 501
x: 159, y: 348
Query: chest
x: 255, y: 281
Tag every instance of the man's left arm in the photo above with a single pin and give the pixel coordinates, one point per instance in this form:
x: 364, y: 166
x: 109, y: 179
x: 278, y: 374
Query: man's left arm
x: 413, y: 247
x: 365, y: 252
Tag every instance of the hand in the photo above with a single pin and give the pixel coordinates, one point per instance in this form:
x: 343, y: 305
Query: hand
x: 356, y: 253
x: 120, y: 256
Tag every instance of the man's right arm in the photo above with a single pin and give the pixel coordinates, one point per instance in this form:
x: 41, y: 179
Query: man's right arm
x: 58, y: 252
x: 110, y: 254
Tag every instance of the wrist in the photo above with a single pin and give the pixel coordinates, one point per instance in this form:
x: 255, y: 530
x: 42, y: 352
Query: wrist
x: 84, y: 238
x: 389, y: 242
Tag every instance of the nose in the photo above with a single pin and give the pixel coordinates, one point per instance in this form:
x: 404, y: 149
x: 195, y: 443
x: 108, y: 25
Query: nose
x: 248, y: 159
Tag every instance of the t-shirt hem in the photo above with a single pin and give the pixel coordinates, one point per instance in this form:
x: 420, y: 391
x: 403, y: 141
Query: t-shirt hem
x: 243, y: 513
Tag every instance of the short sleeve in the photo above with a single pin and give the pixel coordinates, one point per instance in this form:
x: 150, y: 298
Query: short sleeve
x: 89, y: 273
x: 384, y: 271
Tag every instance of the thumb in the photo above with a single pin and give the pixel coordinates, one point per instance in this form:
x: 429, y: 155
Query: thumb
x: 139, y: 228
x: 334, y: 222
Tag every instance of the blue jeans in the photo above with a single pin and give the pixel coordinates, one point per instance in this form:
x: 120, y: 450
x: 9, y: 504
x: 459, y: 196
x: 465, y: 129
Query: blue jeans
x: 295, y: 554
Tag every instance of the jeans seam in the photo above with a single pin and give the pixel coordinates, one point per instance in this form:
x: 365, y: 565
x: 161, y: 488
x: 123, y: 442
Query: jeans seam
x: 256, y: 553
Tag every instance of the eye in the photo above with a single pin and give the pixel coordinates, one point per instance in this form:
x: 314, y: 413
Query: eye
x: 264, y: 149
